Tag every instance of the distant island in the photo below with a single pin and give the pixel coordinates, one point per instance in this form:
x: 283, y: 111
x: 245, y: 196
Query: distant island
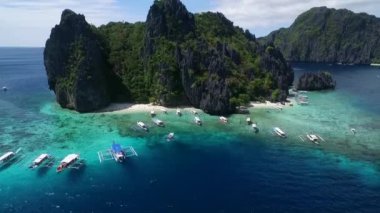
x: 330, y: 36
x: 174, y: 58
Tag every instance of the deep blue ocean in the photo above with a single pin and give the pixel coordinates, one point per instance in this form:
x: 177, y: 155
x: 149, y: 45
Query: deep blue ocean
x: 212, y: 168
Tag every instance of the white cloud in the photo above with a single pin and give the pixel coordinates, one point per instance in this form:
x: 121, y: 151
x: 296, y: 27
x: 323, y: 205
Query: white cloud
x: 28, y: 23
x: 263, y: 16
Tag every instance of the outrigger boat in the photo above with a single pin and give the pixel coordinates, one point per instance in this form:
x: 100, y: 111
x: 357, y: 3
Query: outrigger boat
x: 40, y: 160
x: 178, y: 112
x: 353, y: 130
x: 9, y: 157
x: 312, y: 138
x: 152, y: 113
x: 158, y: 122
x: 142, y: 125
x: 255, y: 128
x: 117, y: 153
x: 67, y: 162
x: 170, y: 136
x: 194, y: 112
x: 223, y: 119
x: 164, y: 111
x: 248, y: 120
x: 197, y: 121
x: 279, y: 132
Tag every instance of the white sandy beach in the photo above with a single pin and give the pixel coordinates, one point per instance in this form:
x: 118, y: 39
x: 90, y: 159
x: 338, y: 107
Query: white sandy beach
x: 270, y: 105
x: 122, y: 108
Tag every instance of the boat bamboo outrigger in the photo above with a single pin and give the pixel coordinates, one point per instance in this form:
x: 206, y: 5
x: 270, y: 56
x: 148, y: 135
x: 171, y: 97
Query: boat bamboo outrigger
x: 43, y: 159
x: 279, y: 132
x: 142, y: 125
x: 158, y: 122
x: 69, y: 162
x: 117, y: 153
x: 197, y: 121
x: 223, y: 119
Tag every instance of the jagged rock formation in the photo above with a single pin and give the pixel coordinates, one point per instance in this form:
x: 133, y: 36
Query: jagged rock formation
x: 76, y: 65
x: 316, y: 81
x: 175, y: 57
x: 329, y: 35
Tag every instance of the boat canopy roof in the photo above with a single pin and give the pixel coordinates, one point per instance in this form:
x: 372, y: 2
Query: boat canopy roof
x: 116, y: 147
x: 279, y: 130
x: 40, y: 158
x: 6, y: 155
x: 69, y: 158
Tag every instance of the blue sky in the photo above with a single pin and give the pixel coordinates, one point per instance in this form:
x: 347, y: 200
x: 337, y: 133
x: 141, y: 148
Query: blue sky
x: 28, y: 22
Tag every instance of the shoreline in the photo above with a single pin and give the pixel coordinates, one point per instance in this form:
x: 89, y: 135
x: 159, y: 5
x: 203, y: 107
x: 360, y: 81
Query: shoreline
x: 124, y: 108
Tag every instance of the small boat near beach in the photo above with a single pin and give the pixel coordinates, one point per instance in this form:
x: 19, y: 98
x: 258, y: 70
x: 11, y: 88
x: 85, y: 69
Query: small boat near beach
x: 178, y: 112
x: 197, y: 121
x: 142, y: 125
x: 4, y: 89
x: 255, y: 128
x: 164, y: 111
x: 41, y: 159
x: 248, y: 120
x: 279, y: 132
x: 67, y: 161
x: 152, y: 113
x: 170, y: 137
x: 223, y: 119
x: 158, y: 122
x: 194, y: 112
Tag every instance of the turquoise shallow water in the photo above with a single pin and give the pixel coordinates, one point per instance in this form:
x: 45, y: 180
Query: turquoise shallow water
x: 213, y: 168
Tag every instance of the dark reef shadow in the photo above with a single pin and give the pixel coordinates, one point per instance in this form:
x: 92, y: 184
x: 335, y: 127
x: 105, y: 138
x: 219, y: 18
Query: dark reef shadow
x: 42, y: 171
x: 76, y: 174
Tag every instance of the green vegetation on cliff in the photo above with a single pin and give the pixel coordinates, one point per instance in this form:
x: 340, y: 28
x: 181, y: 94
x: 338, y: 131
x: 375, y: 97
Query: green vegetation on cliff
x: 329, y: 35
x: 177, y: 57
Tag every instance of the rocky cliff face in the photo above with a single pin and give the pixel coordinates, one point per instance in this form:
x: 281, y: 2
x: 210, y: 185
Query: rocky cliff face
x: 329, y: 35
x: 316, y: 81
x: 76, y: 65
x: 175, y: 57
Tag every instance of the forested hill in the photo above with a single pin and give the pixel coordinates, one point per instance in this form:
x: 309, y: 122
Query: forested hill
x: 329, y: 35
